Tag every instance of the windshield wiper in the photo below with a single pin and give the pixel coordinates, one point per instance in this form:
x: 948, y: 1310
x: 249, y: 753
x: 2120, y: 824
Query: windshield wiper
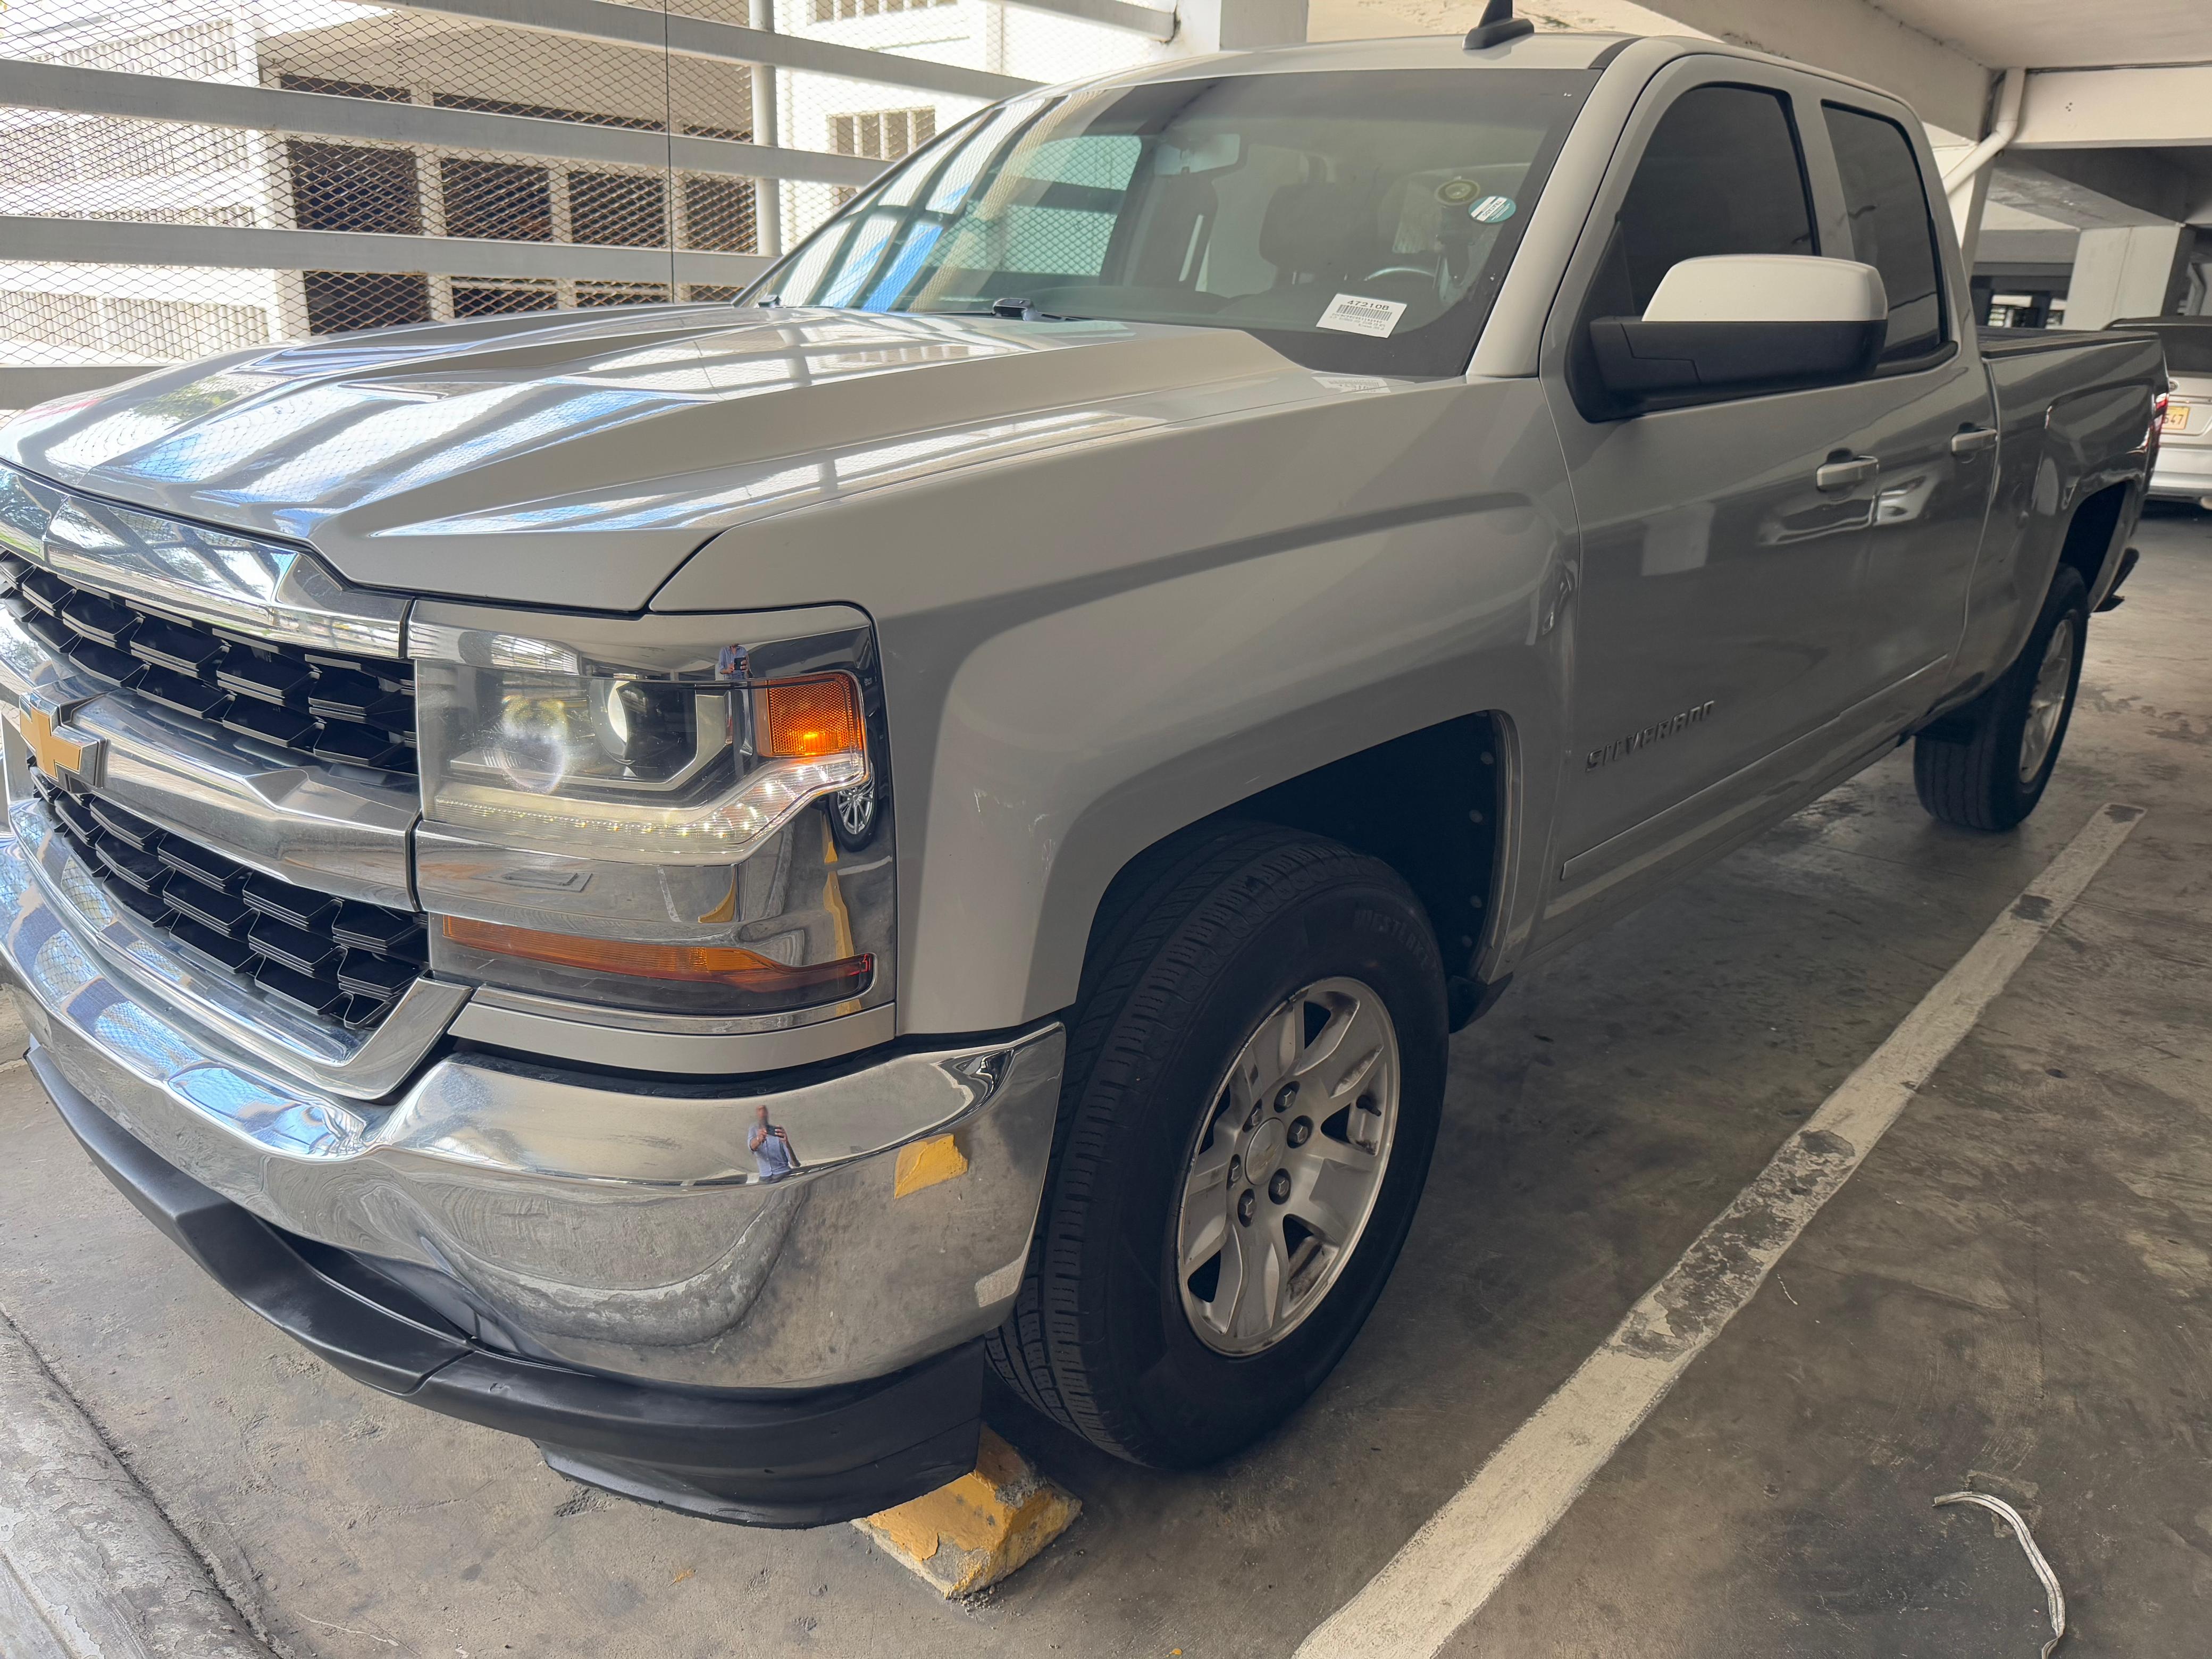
x: 1014, y: 311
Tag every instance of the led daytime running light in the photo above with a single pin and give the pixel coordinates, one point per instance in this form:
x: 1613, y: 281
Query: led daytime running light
x: 719, y: 831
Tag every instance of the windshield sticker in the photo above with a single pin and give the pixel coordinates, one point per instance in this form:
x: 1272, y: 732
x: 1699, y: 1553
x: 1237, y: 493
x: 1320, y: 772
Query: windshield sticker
x: 1458, y: 192
x: 1493, y: 209
x: 1355, y: 313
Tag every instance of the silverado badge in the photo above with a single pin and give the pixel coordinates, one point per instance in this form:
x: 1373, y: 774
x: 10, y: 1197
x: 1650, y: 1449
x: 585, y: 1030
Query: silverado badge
x: 1649, y: 734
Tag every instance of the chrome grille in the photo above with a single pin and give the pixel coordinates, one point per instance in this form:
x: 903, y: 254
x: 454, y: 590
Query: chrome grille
x: 332, y: 959
x: 317, y: 704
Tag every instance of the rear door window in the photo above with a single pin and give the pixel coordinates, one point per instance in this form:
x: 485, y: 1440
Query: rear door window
x: 1892, y: 228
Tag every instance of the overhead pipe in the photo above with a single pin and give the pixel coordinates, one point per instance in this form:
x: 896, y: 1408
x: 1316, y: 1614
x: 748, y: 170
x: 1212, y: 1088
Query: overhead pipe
x: 1960, y: 178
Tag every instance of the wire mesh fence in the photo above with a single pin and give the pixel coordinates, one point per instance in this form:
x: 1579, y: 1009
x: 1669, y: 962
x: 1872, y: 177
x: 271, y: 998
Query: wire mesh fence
x: 186, y: 176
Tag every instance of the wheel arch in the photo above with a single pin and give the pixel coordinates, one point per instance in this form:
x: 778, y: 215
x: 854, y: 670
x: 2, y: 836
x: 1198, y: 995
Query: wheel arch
x: 2097, y: 524
x: 2101, y: 522
x: 1448, y: 834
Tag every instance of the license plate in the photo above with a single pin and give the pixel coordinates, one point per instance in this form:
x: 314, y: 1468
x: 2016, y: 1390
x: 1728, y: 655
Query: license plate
x: 2177, y: 417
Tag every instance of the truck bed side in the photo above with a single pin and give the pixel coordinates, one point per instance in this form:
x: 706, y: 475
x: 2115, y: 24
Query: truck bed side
x: 2074, y: 411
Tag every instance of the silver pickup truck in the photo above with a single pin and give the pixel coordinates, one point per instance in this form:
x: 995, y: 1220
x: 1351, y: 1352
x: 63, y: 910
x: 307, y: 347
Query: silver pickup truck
x: 680, y: 881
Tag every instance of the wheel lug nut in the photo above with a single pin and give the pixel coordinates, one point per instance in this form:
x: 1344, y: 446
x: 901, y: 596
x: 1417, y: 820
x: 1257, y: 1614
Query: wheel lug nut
x: 1236, y: 1170
x: 1288, y: 1093
x: 1280, y: 1187
x: 1247, y: 1202
x: 1253, y: 1121
x: 1301, y: 1131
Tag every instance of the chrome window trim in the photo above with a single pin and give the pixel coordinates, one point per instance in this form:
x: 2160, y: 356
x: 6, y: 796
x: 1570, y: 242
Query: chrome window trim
x: 358, y: 1065
x: 260, y: 589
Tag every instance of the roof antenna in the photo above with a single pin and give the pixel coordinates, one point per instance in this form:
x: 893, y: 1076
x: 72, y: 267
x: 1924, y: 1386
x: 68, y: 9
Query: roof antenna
x: 1498, y: 25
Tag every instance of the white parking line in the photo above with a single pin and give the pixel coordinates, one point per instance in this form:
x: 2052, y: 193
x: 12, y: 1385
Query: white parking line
x: 1451, y: 1566
x: 89, y: 1566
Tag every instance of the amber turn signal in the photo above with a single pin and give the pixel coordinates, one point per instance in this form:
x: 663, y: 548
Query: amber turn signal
x: 699, y: 964
x: 805, y: 720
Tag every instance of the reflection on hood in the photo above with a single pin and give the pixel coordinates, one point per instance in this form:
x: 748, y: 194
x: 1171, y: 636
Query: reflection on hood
x: 604, y: 448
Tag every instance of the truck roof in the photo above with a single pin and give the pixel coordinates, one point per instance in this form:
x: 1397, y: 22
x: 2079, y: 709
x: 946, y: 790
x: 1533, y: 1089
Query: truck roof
x: 1545, y: 50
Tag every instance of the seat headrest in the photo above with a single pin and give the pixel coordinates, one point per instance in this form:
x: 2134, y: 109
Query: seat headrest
x: 1319, y: 229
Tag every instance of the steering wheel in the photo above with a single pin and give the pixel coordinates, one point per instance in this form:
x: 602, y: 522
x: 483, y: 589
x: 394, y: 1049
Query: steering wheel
x: 1429, y: 271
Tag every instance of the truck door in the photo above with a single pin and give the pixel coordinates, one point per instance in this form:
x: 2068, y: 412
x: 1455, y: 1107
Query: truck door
x: 1932, y: 433
x: 1717, y: 642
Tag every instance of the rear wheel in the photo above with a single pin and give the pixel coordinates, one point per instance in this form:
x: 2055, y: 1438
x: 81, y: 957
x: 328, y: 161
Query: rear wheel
x: 1255, y: 1071
x: 1986, y: 766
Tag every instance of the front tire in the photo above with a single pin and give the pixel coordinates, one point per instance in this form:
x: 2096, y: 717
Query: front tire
x: 1986, y: 766
x: 1255, y: 1071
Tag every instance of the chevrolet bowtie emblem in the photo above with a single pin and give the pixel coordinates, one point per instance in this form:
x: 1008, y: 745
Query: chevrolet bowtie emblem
x: 56, y: 753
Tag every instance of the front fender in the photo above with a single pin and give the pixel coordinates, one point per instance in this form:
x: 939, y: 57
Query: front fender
x: 1086, y: 650
x: 1073, y: 741
x: 1083, y: 737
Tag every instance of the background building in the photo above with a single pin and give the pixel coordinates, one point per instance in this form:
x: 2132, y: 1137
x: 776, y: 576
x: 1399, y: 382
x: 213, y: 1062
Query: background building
x: 141, y: 239
x: 188, y: 176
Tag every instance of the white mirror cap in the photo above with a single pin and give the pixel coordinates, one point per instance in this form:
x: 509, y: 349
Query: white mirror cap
x: 1769, y: 287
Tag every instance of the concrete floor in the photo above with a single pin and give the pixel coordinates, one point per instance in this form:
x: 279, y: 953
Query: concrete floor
x: 2017, y: 1286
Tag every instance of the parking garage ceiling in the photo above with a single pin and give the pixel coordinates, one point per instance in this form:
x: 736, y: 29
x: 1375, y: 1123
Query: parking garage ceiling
x: 2063, y: 34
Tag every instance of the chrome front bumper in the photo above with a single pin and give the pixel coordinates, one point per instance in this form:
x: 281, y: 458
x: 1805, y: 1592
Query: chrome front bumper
x: 607, y: 1222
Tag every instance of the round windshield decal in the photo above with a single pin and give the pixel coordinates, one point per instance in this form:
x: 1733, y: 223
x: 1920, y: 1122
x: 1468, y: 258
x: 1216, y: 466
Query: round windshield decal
x: 1493, y: 209
x: 1457, y: 191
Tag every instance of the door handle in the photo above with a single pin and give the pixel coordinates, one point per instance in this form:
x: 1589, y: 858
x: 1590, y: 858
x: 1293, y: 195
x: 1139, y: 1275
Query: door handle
x: 1973, y: 440
x: 1842, y: 475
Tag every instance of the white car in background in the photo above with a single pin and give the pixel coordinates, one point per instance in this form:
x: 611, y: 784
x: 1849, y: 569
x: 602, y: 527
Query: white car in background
x: 2184, y: 472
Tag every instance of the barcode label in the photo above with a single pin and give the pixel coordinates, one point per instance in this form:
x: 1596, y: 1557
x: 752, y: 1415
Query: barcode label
x: 1355, y: 313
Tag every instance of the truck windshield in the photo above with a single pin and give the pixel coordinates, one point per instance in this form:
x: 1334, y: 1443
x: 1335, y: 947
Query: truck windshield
x: 1355, y: 221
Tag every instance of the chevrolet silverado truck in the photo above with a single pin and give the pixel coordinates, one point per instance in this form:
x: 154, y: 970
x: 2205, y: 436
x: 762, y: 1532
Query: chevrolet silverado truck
x: 683, y: 881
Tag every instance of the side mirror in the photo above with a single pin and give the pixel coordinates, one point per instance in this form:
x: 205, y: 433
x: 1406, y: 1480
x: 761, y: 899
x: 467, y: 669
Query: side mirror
x: 1737, y: 323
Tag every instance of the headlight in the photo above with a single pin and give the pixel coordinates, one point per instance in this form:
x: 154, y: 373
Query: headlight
x: 621, y: 818
x: 652, y: 770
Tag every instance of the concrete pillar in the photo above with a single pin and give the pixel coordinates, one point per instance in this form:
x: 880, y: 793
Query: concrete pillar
x: 2136, y: 271
x: 767, y: 193
x: 1237, y: 25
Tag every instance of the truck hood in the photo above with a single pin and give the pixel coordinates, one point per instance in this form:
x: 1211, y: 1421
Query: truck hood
x: 578, y: 461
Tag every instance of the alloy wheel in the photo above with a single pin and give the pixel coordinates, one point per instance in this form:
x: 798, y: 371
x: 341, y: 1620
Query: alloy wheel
x: 2047, y: 700
x: 1288, y: 1166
